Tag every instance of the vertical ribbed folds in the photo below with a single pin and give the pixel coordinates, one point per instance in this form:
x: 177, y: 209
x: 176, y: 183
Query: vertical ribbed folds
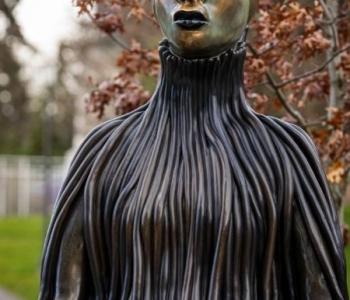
x: 193, y: 196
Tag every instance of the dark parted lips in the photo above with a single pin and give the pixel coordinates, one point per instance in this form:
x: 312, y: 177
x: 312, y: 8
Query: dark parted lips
x: 190, y: 20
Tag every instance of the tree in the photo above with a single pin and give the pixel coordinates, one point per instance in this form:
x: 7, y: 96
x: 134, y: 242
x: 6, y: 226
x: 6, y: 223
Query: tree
x: 21, y: 124
x: 13, y: 89
x: 298, y: 68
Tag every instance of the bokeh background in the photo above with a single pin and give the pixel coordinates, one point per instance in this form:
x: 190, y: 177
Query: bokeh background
x: 47, y: 55
x: 66, y: 66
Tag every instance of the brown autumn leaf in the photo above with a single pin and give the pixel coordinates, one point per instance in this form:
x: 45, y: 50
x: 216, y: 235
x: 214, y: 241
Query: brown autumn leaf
x: 335, y: 172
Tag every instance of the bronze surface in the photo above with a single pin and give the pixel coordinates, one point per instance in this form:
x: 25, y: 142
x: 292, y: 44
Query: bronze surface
x: 195, y: 196
x: 227, y: 20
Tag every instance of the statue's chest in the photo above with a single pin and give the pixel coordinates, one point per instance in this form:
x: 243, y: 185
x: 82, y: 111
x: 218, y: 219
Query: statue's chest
x: 182, y: 223
x: 184, y: 202
x: 166, y: 206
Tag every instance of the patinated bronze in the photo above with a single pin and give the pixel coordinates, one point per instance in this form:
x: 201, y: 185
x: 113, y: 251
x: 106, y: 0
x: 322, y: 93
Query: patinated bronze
x: 194, y: 195
x: 202, y: 28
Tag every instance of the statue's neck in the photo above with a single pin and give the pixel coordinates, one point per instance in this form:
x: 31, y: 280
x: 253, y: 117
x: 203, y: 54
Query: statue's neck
x: 201, y: 81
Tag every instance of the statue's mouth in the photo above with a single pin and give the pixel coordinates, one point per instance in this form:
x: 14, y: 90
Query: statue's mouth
x: 190, y: 20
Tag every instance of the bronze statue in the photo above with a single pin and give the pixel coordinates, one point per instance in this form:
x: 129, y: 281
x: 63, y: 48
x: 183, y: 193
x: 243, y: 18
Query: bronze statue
x: 194, y: 195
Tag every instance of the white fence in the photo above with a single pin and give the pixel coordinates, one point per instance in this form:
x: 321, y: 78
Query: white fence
x: 29, y: 184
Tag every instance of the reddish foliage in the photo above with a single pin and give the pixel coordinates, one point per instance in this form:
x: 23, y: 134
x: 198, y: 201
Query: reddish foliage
x: 299, y: 65
x: 139, y: 61
x: 109, y: 22
x: 124, y: 91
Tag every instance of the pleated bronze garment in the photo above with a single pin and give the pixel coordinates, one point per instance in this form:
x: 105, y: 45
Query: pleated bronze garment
x: 196, y: 196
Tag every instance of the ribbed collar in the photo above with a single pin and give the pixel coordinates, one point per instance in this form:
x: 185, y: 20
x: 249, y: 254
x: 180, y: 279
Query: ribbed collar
x: 220, y: 76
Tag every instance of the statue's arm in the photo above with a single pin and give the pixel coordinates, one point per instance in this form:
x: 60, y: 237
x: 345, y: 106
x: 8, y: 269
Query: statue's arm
x: 317, y: 242
x: 65, y: 273
x: 70, y: 280
x: 310, y: 278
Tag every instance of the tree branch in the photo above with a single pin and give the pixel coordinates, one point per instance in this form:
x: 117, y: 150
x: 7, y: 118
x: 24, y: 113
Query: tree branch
x: 338, y: 18
x: 330, y: 16
x: 321, y: 122
x: 283, y: 99
x: 317, y: 70
x: 14, y: 29
x: 278, y: 86
x: 152, y: 19
x: 281, y: 96
x: 118, y: 41
x: 257, y: 85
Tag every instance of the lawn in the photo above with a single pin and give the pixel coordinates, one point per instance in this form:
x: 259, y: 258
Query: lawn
x: 20, y: 247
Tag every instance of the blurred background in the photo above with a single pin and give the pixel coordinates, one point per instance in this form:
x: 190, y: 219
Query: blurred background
x: 66, y: 66
x: 47, y: 55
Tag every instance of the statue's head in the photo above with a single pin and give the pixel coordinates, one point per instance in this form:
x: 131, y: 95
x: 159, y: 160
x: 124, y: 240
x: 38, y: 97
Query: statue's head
x: 200, y: 28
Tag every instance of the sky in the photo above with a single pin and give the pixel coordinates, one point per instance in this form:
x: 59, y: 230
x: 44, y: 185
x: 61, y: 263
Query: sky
x: 45, y: 23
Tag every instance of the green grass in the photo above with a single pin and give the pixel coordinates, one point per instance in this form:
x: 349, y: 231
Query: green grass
x: 20, y: 250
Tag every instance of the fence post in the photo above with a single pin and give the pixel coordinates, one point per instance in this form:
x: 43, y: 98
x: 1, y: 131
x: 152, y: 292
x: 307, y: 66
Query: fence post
x: 23, y: 186
x: 3, y: 187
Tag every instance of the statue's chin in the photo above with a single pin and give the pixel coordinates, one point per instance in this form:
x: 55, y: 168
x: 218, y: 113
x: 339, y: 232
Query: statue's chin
x: 198, y: 49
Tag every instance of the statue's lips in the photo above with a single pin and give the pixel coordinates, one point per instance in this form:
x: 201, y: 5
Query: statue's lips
x: 190, y: 20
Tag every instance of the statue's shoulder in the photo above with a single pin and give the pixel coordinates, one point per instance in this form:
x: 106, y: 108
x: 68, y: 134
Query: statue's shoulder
x: 111, y: 125
x: 109, y: 130
x: 290, y: 141
x: 288, y: 133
